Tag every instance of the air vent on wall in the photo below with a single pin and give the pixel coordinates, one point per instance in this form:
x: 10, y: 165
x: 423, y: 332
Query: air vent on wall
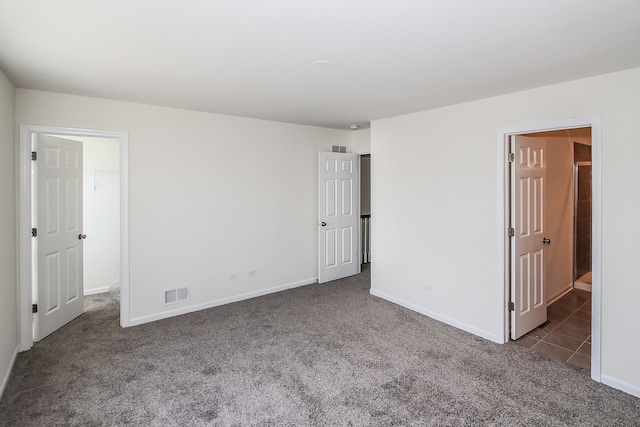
x: 176, y: 295
x: 338, y: 149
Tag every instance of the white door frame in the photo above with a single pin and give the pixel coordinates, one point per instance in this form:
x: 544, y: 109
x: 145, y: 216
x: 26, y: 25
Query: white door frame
x: 594, y: 122
x: 27, y: 133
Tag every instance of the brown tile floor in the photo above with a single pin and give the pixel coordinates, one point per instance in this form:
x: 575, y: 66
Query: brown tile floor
x: 567, y: 334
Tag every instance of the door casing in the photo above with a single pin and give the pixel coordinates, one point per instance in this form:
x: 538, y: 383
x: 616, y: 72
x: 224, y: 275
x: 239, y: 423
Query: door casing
x: 502, y: 240
x: 24, y: 249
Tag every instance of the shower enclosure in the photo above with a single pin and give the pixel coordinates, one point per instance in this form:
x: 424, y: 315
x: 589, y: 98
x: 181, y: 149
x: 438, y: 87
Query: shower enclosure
x: 582, y: 225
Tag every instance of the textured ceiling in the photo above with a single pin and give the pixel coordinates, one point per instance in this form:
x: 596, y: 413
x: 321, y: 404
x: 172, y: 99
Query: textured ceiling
x: 256, y: 58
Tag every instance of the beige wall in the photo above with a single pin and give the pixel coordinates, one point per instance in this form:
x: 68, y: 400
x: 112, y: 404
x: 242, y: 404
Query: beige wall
x: 559, y: 208
x: 210, y: 195
x: 8, y: 273
x: 435, y: 197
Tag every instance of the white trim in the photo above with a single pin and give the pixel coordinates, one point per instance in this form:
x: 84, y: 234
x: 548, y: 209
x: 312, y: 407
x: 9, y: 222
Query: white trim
x: 24, y: 221
x: 560, y: 294
x: 582, y: 286
x: 436, y: 316
x: 7, y: 375
x: 596, y: 296
x: 236, y: 298
x: 620, y: 385
x: 95, y: 291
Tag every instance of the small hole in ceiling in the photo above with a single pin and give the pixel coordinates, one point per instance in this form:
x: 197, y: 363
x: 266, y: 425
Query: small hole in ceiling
x: 322, y: 64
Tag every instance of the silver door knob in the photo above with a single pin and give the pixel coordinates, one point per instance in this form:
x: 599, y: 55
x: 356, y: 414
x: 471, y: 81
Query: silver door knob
x: 324, y: 224
x: 546, y: 241
x: 82, y: 236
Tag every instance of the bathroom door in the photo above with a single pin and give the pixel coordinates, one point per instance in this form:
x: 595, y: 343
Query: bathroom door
x: 528, y: 306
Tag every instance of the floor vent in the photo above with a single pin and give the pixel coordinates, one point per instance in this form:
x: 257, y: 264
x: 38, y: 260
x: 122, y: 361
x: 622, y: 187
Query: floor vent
x: 338, y: 149
x: 176, y: 295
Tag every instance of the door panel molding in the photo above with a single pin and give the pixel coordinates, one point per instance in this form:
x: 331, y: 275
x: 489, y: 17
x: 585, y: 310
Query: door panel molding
x: 25, y: 211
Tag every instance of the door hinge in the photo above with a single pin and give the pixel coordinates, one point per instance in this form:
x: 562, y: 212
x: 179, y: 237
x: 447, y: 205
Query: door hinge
x: 512, y: 306
x: 34, y: 155
x: 511, y: 157
x: 512, y: 232
x: 34, y: 232
x: 34, y: 308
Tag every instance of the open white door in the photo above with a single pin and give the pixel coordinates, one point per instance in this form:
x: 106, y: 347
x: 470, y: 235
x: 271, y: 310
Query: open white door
x: 338, y: 216
x: 57, y: 189
x: 528, y: 180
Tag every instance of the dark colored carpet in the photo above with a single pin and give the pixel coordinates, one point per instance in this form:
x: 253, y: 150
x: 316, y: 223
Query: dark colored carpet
x: 326, y: 354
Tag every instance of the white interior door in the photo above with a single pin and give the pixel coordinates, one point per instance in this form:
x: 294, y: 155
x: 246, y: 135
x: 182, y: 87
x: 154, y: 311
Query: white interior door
x: 58, y: 287
x: 528, y: 273
x: 338, y: 216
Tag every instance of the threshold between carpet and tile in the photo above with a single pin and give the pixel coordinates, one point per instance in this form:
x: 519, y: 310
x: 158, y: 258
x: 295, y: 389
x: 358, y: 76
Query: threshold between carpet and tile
x: 566, y: 336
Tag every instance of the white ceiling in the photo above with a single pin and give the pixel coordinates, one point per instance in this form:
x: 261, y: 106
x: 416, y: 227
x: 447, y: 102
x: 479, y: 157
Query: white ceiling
x: 255, y: 58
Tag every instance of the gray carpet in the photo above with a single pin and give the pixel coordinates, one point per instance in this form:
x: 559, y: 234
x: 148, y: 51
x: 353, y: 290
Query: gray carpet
x: 326, y: 354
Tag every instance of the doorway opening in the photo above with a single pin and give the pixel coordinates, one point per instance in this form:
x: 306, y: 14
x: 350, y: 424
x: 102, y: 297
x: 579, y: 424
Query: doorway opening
x: 117, y: 144
x: 101, y: 214
x: 566, y: 333
x: 562, y: 291
x: 365, y: 209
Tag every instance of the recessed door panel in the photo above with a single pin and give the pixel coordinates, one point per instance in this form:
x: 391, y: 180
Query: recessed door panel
x: 331, y: 245
x: 51, y: 156
x: 331, y: 197
x: 538, y: 279
x: 525, y: 283
x: 524, y: 200
x: 538, y: 202
x: 73, y: 209
x: 74, y: 283
x: 71, y: 159
x: 347, y: 196
x: 51, y: 280
x: 347, y: 242
x: 51, y: 207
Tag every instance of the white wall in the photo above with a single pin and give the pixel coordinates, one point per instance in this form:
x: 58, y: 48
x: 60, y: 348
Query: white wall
x: 8, y: 273
x: 435, y: 198
x: 101, y: 214
x: 361, y: 141
x: 209, y: 195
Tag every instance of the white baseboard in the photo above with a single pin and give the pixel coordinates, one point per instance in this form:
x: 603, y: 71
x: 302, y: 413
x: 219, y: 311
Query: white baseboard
x: 96, y: 291
x: 190, y: 309
x: 583, y: 286
x: 620, y: 385
x: 560, y: 294
x: 102, y: 289
x: 444, y: 319
x: 5, y: 377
